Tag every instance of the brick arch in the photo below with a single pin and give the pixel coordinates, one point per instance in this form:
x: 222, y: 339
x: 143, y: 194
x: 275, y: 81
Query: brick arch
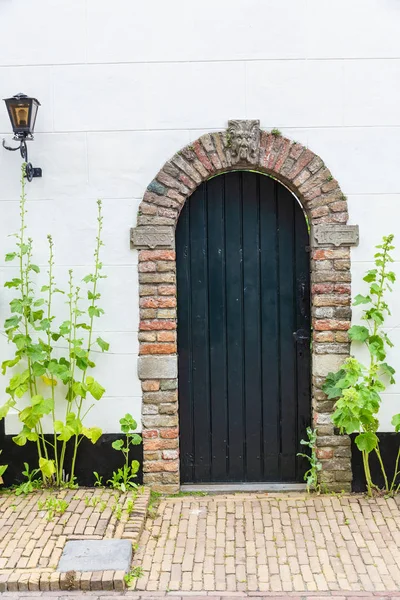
x: 306, y: 175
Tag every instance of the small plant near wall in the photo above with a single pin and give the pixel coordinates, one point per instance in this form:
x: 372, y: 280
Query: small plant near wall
x: 53, y: 359
x: 311, y: 475
x: 357, y: 388
x: 3, y: 469
x: 123, y: 478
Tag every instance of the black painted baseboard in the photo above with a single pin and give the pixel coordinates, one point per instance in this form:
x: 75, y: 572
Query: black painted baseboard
x: 100, y: 457
x: 389, y: 445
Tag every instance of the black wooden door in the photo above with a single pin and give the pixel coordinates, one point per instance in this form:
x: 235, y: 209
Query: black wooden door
x: 243, y: 331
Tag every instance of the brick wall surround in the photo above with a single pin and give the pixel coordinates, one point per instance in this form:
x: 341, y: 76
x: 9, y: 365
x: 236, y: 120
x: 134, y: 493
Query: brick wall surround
x: 306, y: 175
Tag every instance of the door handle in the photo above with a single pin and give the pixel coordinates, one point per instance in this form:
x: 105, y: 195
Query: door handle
x: 301, y: 335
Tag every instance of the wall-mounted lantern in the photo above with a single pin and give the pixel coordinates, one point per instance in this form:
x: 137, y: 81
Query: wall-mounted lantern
x: 22, y: 111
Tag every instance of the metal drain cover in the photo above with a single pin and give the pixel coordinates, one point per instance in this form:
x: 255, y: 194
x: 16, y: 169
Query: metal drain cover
x: 96, y: 555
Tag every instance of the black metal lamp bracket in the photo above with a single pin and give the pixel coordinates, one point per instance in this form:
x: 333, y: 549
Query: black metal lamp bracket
x: 30, y: 171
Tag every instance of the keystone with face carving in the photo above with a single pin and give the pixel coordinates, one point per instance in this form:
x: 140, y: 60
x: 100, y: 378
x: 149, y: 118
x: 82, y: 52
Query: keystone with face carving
x: 244, y: 138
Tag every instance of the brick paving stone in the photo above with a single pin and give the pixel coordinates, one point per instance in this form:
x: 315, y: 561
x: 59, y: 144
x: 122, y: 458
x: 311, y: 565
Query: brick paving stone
x: 271, y: 543
x: 31, y: 543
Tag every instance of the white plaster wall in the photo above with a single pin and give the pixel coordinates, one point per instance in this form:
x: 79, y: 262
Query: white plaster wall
x: 124, y: 85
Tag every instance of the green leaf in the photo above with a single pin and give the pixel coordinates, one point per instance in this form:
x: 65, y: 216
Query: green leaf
x: 26, y: 435
x: 16, y: 306
x: 136, y: 439
x: 34, y: 268
x: 358, y: 333
x: 65, y: 432
x: 359, y: 299
x: 88, y: 278
x: 12, y: 322
x: 7, y: 364
x: 94, y: 311
x: 389, y: 371
x: 396, y: 422
x: 366, y: 441
x: 376, y: 347
x: 39, y: 302
x: 94, y: 388
x: 38, y: 370
x: 370, y: 276
x: 128, y: 423
x: 44, y: 288
x: 330, y: 388
x: 65, y: 327
x: 92, y: 433
x: 10, y: 256
x: 47, y: 467
x: 79, y: 389
x: 14, y: 283
x: 135, y: 465
x: 102, y: 344
x: 118, y: 444
x: 6, y: 407
x: 44, y: 325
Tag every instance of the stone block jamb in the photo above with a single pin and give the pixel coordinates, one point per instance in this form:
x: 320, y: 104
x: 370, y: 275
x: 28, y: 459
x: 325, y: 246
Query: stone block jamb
x: 242, y: 146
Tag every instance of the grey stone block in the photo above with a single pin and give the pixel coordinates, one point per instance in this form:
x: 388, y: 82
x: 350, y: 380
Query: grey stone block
x: 149, y: 236
x: 325, y: 363
x: 96, y: 555
x: 157, y: 367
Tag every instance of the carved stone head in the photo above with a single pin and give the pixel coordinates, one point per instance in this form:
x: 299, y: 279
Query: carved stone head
x: 244, y: 141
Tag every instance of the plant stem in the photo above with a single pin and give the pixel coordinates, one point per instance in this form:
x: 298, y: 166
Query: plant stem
x: 396, y: 471
x: 53, y: 381
x: 378, y: 453
x: 96, y: 277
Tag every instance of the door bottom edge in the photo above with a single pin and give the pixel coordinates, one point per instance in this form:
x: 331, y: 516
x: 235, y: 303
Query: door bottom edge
x: 243, y: 487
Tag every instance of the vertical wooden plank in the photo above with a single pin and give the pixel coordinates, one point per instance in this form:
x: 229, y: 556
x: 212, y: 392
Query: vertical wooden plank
x: 217, y: 325
x: 200, y: 335
x: 252, y: 322
x: 269, y: 301
x: 184, y: 346
x: 287, y: 324
x: 303, y: 322
x: 235, y: 328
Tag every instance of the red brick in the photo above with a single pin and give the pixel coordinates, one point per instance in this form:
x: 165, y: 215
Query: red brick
x: 324, y: 336
x: 322, y: 288
x: 330, y: 254
x: 147, y: 267
x: 158, y: 466
x: 169, y: 433
x: 150, y: 433
x: 145, y: 255
x: 342, y: 288
x: 155, y: 325
x: 187, y: 181
x: 304, y: 159
x: 161, y: 444
x: 150, y: 385
x: 166, y: 336
x: 151, y: 302
x: 202, y: 156
x: 157, y: 349
x: 331, y: 324
x: 324, y: 453
x: 167, y: 290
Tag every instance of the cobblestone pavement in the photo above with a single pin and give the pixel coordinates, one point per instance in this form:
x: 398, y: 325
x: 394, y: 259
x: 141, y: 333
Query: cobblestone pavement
x: 35, y: 528
x: 271, y: 543
x: 201, y: 596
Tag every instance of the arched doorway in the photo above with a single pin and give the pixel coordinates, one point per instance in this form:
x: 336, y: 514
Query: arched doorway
x: 243, y: 146
x: 242, y: 253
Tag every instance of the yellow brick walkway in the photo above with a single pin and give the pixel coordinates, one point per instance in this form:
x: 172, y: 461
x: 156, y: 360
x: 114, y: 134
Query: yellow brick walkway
x: 272, y: 543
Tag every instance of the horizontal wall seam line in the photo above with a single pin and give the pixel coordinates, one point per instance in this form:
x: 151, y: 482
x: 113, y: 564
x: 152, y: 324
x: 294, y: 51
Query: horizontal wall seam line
x: 307, y: 59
